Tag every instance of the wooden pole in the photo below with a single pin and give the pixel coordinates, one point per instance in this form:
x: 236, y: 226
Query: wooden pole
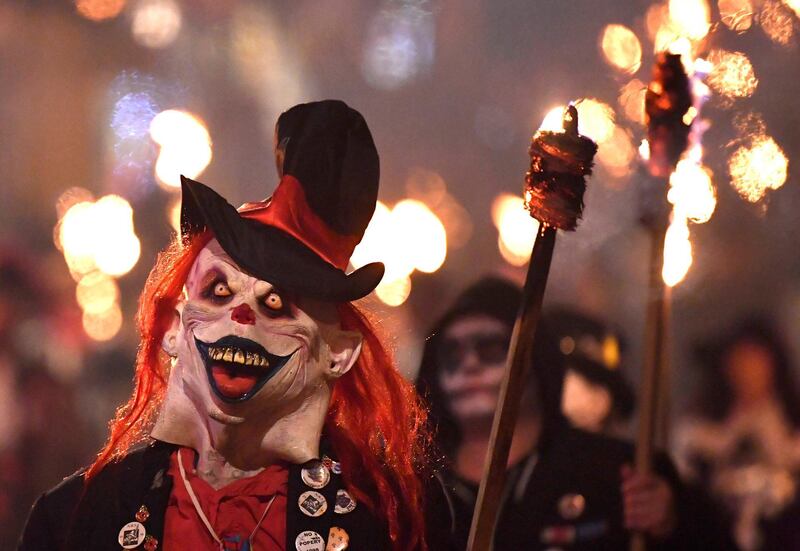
x: 518, y: 362
x: 651, y: 386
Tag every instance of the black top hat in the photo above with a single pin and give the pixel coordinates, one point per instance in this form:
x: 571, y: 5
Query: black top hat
x: 302, y: 237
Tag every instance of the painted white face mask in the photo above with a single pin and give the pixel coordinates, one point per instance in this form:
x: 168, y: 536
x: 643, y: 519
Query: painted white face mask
x: 252, y: 369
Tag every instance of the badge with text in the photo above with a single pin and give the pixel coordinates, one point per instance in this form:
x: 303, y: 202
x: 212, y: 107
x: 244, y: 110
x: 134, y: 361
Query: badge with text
x: 344, y: 502
x: 131, y: 535
x: 312, y: 504
x: 338, y: 539
x: 309, y: 541
x: 315, y: 474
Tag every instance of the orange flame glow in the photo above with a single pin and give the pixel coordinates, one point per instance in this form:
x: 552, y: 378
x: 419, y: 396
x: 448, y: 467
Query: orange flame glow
x: 732, y: 74
x: 691, y: 18
x: 621, y: 48
x: 99, y: 10
x: 691, y: 192
x: 631, y: 100
x: 677, y: 252
x: 737, y: 15
x: 516, y: 228
x: 776, y: 20
x: 757, y: 168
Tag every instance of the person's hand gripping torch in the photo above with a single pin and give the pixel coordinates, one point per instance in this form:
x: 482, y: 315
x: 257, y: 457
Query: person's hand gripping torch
x: 554, y: 188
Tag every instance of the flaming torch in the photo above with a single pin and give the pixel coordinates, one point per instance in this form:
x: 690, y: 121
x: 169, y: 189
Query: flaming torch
x: 554, y: 188
x: 668, y: 104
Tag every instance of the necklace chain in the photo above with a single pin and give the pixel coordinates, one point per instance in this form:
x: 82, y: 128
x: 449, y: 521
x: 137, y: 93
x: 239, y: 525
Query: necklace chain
x: 203, y: 517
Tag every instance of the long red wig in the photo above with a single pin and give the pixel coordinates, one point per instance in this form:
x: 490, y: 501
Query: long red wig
x: 375, y: 422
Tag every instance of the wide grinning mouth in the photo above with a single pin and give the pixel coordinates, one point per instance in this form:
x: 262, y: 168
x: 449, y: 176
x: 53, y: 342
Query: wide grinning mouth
x: 237, y: 368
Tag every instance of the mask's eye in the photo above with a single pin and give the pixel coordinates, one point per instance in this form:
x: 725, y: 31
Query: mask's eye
x: 273, y: 301
x: 221, y: 290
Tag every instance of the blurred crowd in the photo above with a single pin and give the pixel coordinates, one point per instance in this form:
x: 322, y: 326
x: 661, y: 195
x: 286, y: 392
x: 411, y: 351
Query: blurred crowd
x: 737, y: 448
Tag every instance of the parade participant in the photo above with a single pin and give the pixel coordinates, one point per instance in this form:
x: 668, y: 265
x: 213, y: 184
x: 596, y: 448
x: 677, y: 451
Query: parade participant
x: 565, y: 488
x: 269, y: 411
x: 743, y: 440
x: 596, y: 395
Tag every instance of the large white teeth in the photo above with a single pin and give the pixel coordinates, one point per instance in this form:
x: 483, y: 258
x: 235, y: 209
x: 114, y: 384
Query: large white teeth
x: 228, y: 355
x: 238, y: 357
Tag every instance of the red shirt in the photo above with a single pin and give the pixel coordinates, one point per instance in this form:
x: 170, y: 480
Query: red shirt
x: 233, y: 510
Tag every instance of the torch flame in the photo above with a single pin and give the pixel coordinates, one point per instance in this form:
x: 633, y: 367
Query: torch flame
x: 677, y: 252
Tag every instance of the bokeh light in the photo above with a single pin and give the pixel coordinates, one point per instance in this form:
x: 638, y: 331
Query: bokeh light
x: 174, y: 215
x: 99, y: 10
x: 737, y: 15
x: 617, y: 154
x: 758, y: 167
x: 185, y: 146
x: 732, y: 74
x: 103, y: 326
x: 116, y: 248
x: 644, y: 150
x: 621, y: 48
x: 405, y: 238
x: 692, y: 192
x: 399, y: 46
x: 75, y: 237
x: 794, y: 5
x: 132, y: 114
x: 424, y: 239
x: 777, y: 22
x: 553, y: 120
x: 516, y: 228
x: 677, y: 252
x: 631, y: 100
x: 595, y: 119
x: 156, y: 23
x: 692, y: 18
x: 394, y: 292
x: 99, y: 236
x: 97, y: 292
x: 71, y: 197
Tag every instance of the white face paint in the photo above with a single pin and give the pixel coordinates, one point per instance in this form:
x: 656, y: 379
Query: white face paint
x: 471, y: 366
x: 585, y: 404
x: 252, y: 368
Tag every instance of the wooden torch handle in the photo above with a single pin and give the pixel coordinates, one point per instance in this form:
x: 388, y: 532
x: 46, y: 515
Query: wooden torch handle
x: 518, y: 362
x: 654, y: 364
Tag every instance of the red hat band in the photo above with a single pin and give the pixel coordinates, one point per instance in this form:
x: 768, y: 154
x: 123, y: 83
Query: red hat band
x: 289, y: 211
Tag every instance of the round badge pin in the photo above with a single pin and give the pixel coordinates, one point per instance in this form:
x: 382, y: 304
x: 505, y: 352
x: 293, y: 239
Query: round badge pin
x: 309, y: 541
x: 571, y: 506
x: 131, y: 535
x: 315, y: 474
x: 338, y: 539
x: 344, y: 502
x: 312, y: 503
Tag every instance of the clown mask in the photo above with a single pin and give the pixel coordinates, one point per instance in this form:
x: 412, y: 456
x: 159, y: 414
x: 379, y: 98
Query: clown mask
x: 253, y: 367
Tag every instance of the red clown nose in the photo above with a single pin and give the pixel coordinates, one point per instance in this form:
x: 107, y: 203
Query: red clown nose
x: 243, y: 314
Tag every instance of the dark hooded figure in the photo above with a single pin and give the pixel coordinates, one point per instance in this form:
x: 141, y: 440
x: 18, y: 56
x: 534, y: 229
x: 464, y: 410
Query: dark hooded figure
x: 566, y: 488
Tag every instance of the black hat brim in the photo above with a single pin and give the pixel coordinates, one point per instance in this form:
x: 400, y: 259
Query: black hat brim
x: 269, y: 253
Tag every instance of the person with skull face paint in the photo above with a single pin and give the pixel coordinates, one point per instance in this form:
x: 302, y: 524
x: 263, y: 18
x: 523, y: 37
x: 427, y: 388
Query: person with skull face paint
x: 267, y: 414
x: 565, y: 488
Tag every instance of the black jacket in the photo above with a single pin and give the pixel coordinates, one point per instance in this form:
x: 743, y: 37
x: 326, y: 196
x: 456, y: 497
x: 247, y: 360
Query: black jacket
x: 567, y: 496
x: 76, y: 516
